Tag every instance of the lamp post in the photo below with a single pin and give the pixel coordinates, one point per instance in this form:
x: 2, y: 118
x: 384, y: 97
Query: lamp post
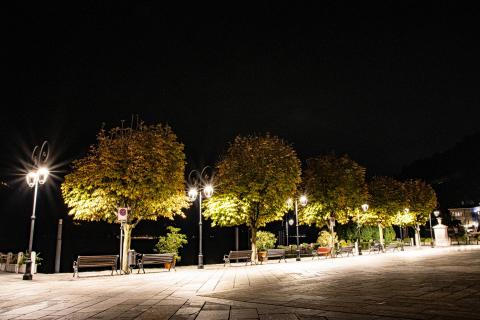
x: 200, y: 185
x: 303, y: 202
x: 332, y: 224
x: 37, y: 176
x: 406, y: 211
x: 359, y: 226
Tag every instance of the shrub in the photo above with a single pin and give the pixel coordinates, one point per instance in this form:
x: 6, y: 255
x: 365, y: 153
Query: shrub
x: 325, y: 239
x: 265, y: 240
x: 172, y: 242
x: 389, y: 234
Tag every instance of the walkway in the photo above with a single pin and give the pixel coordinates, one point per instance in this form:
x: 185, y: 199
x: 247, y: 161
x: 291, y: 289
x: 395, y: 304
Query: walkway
x: 415, y: 284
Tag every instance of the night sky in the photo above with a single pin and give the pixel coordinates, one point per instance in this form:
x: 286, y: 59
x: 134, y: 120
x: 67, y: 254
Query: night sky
x: 388, y: 82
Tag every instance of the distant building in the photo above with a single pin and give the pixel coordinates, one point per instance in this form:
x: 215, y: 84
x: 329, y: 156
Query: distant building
x: 468, y: 217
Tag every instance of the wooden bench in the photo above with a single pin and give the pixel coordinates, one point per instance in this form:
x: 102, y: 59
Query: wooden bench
x: 95, y: 261
x: 238, y: 255
x: 322, y: 251
x: 376, y: 247
x: 347, y: 249
x: 156, y: 258
x: 276, y: 253
x: 393, y: 246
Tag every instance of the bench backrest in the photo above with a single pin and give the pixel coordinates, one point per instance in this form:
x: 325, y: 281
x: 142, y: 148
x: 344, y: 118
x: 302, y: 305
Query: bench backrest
x: 275, y: 252
x: 240, y: 254
x: 346, y: 248
x: 158, y: 258
x: 323, y: 250
x: 97, y: 261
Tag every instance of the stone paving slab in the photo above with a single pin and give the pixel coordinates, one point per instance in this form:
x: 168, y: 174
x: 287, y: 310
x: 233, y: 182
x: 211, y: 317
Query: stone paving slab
x: 438, y: 283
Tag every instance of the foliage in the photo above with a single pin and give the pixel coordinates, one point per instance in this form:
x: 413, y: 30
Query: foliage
x: 336, y: 187
x: 172, y: 242
x: 347, y: 231
x: 265, y: 240
x: 387, y: 199
x: 254, y: 179
x: 421, y: 199
x: 325, y: 238
x: 372, y: 233
x: 38, y: 259
x: 343, y: 243
x: 368, y: 233
x: 142, y: 169
x: 139, y: 168
x: 389, y: 234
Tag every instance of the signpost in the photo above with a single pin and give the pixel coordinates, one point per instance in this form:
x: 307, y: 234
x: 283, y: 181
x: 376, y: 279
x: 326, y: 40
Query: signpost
x: 122, y: 216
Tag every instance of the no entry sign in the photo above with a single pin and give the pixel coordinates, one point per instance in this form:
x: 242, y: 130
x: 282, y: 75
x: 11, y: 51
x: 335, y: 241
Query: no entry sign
x: 122, y: 214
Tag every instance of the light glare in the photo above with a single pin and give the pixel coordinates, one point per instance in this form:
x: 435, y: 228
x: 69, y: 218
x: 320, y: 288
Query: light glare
x: 192, y: 194
x: 303, y: 200
x: 208, y: 191
x: 31, y: 178
x: 42, y: 175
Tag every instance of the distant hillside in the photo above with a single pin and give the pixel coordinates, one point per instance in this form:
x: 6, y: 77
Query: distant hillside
x: 455, y: 173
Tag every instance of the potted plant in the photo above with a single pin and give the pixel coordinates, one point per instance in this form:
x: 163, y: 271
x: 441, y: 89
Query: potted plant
x: 265, y: 240
x: 22, y: 264
x: 171, y: 243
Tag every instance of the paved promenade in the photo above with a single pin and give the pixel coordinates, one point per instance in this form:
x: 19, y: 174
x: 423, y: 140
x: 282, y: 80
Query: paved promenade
x: 414, y: 284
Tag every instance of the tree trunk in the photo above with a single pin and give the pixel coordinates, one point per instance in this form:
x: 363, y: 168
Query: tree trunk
x: 127, y: 239
x: 417, y: 235
x: 380, y: 233
x: 253, y: 241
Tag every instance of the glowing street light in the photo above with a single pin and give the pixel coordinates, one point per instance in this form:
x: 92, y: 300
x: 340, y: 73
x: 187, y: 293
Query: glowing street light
x: 303, y: 201
x: 200, y: 185
x: 35, y: 177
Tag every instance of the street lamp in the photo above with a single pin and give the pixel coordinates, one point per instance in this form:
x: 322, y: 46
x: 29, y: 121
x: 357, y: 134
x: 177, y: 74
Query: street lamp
x: 359, y: 245
x: 35, y: 177
x: 406, y: 211
x: 200, y: 185
x: 303, y: 202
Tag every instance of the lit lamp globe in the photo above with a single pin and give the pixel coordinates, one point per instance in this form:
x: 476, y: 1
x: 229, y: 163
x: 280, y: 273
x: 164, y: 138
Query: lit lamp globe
x: 208, y: 191
x: 192, y: 194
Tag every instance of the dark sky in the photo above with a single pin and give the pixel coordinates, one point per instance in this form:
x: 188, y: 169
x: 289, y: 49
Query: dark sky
x: 387, y: 82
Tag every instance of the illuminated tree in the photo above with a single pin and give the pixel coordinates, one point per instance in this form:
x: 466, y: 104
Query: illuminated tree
x: 421, y: 201
x: 140, y: 168
x: 254, y: 180
x: 387, y: 199
x: 336, y: 187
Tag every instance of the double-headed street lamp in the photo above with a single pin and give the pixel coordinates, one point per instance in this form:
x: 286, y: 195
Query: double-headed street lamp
x: 37, y: 176
x: 303, y: 202
x: 200, y: 185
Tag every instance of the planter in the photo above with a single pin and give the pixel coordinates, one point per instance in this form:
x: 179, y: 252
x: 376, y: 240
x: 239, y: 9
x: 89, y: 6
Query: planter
x: 262, y: 256
x: 16, y: 268
x: 170, y: 265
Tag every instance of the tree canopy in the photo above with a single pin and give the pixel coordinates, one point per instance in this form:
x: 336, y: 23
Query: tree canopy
x: 142, y: 169
x: 139, y: 168
x: 387, y: 199
x: 336, y: 187
x: 421, y: 200
x: 254, y: 180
